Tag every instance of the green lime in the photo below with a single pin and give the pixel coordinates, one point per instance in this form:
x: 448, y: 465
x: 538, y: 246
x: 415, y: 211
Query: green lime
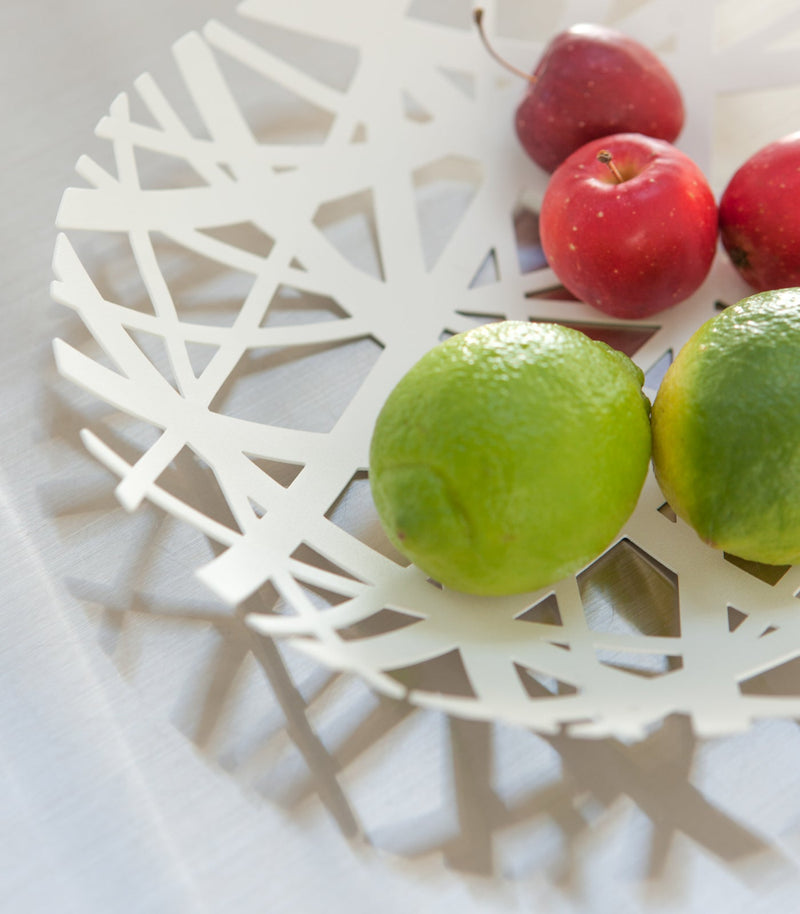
x: 510, y: 456
x: 726, y: 429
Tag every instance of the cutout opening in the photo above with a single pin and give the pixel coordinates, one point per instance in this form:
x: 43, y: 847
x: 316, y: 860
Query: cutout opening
x: 488, y: 272
x: 529, y: 246
x: 444, y: 190
x: 291, y: 305
x: 414, y: 110
x: 309, y: 556
x: 540, y: 685
x: 348, y: 223
x: 667, y: 512
x: 735, y: 618
x: 781, y: 680
x: 546, y: 611
x: 628, y: 591
x: 645, y: 665
x: 243, y: 235
x: 282, y: 472
x: 354, y: 512
x: 380, y: 623
x: 626, y: 339
x: 158, y: 170
x: 154, y: 348
x: 769, y: 574
x: 445, y: 675
x: 289, y: 118
x: 202, y: 290
x: 256, y: 389
x: 655, y: 373
x: 463, y: 80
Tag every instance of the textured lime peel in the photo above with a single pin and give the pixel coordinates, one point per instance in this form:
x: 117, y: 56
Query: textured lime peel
x: 510, y: 456
x: 726, y: 430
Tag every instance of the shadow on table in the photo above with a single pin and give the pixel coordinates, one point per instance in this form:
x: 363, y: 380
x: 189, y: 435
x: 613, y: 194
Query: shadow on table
x: 493, y: 801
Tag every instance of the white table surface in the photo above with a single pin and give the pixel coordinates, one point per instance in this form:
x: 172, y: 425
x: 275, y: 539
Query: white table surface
x: 113, y: 799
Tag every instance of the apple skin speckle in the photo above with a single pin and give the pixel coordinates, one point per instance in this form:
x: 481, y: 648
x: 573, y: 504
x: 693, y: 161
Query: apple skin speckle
x: 635, y: 247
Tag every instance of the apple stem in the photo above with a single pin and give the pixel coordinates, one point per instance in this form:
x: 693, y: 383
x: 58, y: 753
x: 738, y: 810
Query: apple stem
x: 477, y: 15
x: 606, y: 158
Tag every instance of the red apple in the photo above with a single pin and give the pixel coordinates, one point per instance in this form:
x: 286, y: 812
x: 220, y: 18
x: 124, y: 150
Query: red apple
x: 593, y: 81
x: 629, y: 224
x: 759, y: 217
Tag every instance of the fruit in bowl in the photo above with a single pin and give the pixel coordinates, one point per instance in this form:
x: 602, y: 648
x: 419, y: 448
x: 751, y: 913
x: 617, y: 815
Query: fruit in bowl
x: 510, y: 456
x: 592, y: 81
x: 759, y: 217
x: 629, y: 225
x: 726, y: 440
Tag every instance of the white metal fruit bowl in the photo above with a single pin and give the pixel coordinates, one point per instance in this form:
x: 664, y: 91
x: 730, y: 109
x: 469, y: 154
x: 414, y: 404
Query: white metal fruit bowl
x: 299, y: 209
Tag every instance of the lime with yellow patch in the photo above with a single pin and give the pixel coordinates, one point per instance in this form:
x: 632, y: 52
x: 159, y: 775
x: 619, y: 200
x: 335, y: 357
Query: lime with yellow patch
x: 726, y: 429
x: 510, y: 456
